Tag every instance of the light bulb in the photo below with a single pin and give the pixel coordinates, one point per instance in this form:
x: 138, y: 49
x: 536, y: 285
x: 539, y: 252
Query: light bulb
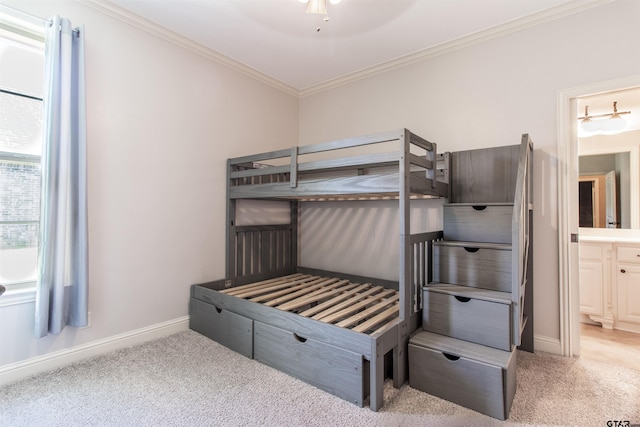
x: 614, y: 124
x: 317, y: 7
x: 589, y: 125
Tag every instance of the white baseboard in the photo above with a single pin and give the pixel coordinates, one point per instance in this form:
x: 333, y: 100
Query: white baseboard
x: 17, y: 371
x: 547, y: 344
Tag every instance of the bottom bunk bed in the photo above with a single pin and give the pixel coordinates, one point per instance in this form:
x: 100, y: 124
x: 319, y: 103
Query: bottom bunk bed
x: 344, y: 334
x: 327, y: 330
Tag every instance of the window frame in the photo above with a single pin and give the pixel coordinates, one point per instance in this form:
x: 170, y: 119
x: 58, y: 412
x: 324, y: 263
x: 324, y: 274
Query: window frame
x: 28, y: 30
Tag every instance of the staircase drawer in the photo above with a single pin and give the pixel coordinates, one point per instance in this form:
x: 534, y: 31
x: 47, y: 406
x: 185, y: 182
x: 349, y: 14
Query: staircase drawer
x: 478, y: 223
x: 485, y: 322
x: 223, y: 326
x: 482, y: 266
x: 477, y: 377
x: 322, y: 365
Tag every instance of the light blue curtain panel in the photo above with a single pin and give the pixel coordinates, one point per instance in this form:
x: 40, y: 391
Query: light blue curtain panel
x: 62, y: 288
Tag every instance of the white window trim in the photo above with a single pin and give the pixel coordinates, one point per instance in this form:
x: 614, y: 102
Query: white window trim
x: 18, y: 293
x: 30, y: 30
x: 16, y: 24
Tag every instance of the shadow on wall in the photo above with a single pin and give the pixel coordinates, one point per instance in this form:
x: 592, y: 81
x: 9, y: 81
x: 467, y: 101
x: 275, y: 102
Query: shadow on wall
x: 360, y: 238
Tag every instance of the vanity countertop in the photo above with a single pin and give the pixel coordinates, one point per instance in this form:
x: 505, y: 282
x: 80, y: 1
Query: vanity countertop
x: 609, y: 236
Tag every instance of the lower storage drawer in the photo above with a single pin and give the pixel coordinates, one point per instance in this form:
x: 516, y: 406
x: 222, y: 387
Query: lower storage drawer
x: 227, y: 328
x: 332, y: 369
x: 469, y: 317
x: 470, y: 375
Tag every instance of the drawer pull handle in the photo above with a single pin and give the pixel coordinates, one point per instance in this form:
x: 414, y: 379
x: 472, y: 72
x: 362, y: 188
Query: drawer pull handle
x: 451, y: 357
x: 219, y: 310
x: 479, y: 207
x: 299, y: 338
x: 462, y: 299
x: 622, y: 270
x: 471, y: 250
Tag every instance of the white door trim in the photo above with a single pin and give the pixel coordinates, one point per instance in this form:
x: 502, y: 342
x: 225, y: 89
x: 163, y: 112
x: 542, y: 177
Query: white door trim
x: 567, y: 206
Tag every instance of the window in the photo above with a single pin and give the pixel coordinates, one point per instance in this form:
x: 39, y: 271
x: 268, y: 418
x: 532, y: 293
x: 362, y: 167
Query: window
x: 21, y: 88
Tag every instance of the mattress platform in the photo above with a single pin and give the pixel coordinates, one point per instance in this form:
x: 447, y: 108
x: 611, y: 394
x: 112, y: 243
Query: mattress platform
x: 360, y: 307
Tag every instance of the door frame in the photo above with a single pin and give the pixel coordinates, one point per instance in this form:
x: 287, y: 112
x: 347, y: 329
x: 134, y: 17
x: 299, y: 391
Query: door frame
x: 568, y: 274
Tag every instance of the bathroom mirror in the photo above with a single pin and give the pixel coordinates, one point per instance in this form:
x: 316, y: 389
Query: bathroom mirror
x: 609, y: 181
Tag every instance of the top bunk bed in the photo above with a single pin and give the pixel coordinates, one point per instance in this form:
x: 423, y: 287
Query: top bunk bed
x: 396, y: 164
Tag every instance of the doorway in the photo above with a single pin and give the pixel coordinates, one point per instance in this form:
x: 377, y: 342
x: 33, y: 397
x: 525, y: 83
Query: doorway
x: 569, y: 210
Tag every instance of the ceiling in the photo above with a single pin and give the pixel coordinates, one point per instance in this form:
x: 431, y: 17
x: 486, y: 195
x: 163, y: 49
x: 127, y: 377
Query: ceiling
x: 303, y: 52
x: 277, y: 38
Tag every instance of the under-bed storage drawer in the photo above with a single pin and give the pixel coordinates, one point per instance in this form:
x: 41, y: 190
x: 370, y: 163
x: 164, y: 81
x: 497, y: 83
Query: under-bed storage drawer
x: 227, y: 328
x: 471, y: 375
x: 482, y: 265
x: 332, y: 369
x: 489, y: 223
x: 471, y: 315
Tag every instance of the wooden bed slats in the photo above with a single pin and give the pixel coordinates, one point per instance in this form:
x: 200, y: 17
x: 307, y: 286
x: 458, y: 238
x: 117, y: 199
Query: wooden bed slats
x: 273, y: 296
x: 364, y: 314
x: 360, y: 307
x: 320, y: 294
x: 333, y: 301
x: 353, y: 308
x: 352, y: 300
x: 379, y: 318
x: 308, y: 289
x: 256, y: 288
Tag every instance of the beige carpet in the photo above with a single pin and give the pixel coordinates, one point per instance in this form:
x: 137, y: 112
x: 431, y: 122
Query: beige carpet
x: 188, y: 380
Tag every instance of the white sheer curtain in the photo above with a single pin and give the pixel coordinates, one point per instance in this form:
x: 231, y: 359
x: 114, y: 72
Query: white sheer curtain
x: 61, y: 295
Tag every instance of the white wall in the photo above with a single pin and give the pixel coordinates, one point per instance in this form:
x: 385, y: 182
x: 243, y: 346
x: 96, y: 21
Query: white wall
x: 485, y: 95
x: 162, y: 121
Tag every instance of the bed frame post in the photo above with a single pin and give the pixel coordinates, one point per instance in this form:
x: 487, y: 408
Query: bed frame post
x: 400, y: 372
x: 230, y: 228
x: 293, y: 215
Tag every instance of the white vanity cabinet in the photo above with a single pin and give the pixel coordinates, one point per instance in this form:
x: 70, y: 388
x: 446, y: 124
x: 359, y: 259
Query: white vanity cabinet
x: 595, y: 282
x: 610, y: 284
x: 628, y: 284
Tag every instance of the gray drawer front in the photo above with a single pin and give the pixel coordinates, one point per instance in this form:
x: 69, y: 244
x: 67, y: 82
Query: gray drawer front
x: 473, y: 266
x: 227, y: 328
x: 474, y: 320
x: 332, y: 369
x: 483, y: 387
x: 491, y: 224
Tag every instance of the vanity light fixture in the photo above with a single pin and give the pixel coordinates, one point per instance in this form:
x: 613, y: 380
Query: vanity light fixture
x: 613, y: 123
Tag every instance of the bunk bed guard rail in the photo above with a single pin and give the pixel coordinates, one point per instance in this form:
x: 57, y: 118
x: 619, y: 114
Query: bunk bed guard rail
x: 267, y: 175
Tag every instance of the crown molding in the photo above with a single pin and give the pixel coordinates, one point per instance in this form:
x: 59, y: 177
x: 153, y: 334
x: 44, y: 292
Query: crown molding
x: 513, y: 26
x: 122, y: 15
x: 551, y: 14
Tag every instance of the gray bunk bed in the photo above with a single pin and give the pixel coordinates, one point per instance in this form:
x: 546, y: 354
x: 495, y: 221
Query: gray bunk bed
x: 342, y: 333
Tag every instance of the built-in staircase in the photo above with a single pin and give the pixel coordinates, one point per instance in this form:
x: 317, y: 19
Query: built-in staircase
x: 478, y: 309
